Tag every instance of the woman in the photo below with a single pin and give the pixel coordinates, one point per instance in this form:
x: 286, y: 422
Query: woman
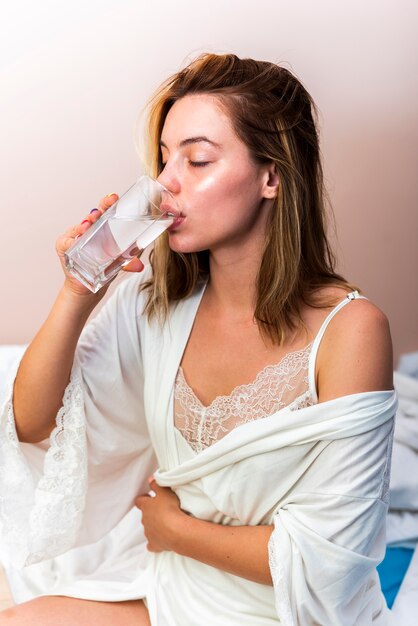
x: 241, y: 370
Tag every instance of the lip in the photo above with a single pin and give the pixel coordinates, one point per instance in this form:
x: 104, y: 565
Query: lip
x: 179, y: 219
x: 167, y: 208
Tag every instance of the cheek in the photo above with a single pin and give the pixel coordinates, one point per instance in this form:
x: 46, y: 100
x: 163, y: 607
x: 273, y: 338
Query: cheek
x: 208, y: 184
x: 225, y: 186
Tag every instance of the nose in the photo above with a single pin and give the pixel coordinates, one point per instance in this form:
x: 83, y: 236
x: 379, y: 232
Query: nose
x: 169, y: 179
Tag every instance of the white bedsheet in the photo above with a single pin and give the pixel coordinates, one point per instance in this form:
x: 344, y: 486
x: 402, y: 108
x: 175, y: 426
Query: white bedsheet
x: 402, y: 522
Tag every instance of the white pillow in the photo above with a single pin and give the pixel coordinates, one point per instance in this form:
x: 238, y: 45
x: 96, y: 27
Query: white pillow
x: 9, y: 355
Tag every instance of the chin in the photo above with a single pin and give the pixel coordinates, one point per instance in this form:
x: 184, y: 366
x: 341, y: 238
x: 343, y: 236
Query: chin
x: 186, y: 247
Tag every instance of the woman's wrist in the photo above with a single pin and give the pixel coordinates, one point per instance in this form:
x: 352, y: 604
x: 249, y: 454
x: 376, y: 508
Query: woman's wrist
x: 180, y: 525
x: 80, y: 301
x: 183, y: 532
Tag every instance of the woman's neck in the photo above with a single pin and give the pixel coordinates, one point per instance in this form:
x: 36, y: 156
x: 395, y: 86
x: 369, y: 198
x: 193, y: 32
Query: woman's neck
x: 232, y: 284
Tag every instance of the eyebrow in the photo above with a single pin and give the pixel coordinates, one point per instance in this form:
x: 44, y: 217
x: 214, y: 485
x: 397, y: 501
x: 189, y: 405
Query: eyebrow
x: 191, y: 140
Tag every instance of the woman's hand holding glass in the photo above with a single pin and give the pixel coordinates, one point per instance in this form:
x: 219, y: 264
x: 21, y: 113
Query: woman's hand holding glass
x: 67, y: 239
x: 121, y: 233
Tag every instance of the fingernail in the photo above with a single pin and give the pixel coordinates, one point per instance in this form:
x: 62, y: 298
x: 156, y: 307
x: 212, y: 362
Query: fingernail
x: 93, y: 210
x: 85, y: 222
x: 111, y: 194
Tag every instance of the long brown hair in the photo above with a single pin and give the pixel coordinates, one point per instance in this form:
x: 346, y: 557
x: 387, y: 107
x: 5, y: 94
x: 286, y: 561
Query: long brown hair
x: 274, y: 115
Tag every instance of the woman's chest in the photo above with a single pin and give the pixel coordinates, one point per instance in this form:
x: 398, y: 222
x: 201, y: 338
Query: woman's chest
x: 284, y: 384
x: 221, y: 355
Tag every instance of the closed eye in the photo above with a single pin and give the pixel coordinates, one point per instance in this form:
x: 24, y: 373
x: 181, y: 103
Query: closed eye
x: 192, y: 163
x: 198, y: 163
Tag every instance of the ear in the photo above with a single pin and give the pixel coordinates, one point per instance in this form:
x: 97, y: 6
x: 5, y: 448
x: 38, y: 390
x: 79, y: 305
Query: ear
x: 271, y: 182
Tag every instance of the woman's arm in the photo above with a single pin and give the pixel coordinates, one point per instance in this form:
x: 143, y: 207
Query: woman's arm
x: 239, y: 550
x: 45, y: 368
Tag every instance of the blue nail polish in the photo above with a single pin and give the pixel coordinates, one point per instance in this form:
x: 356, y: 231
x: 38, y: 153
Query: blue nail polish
x: 92, y: 211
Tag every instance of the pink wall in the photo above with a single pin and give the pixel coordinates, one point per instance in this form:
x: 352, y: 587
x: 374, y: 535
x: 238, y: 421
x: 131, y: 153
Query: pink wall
x: 74, y: 75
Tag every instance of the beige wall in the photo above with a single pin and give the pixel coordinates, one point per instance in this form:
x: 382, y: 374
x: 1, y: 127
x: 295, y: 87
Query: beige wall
x: 73, y: 76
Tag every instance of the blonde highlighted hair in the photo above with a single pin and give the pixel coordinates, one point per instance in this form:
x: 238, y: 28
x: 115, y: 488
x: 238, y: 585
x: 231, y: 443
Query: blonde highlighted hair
x: 274, y: 115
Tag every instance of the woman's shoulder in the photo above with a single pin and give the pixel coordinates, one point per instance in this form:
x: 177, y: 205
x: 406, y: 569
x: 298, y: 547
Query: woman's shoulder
x: 365, y: 312
x: 355, y: 354
x: 324, y: 300
x: 360, y: 314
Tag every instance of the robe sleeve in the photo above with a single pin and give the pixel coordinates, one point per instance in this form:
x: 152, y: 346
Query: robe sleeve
x: 73, y: 488
x: 329, y: 536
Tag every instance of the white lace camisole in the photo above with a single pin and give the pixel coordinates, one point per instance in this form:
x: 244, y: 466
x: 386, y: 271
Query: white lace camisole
x: 290, y: 382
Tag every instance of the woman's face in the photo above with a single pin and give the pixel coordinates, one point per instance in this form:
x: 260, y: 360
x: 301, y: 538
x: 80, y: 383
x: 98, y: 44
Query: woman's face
x: 220, y: 191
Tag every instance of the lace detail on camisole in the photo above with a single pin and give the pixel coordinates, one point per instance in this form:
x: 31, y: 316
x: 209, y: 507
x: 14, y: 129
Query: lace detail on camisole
x: 276, y: 386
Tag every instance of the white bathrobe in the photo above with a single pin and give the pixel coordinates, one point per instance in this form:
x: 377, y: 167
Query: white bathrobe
x: 319, y: 474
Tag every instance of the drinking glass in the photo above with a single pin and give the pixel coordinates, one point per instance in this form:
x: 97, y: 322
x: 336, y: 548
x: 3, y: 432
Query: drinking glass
x: 131, y: 224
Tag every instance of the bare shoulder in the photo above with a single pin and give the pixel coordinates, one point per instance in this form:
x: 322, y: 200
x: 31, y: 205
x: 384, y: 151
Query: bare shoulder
x: 355, y: 354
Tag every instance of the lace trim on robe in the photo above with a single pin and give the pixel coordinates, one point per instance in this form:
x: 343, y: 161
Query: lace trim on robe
x: 276, y: 386
x: 280, y: 584
x: 42, y: 521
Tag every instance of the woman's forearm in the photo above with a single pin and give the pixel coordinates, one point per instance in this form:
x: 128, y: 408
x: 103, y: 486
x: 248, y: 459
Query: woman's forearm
x: 46, y: 365
x: 239, y: 550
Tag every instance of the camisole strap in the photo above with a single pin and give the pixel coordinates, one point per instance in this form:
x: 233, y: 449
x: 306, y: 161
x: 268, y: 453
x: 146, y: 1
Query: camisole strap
x: 354, y: 295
